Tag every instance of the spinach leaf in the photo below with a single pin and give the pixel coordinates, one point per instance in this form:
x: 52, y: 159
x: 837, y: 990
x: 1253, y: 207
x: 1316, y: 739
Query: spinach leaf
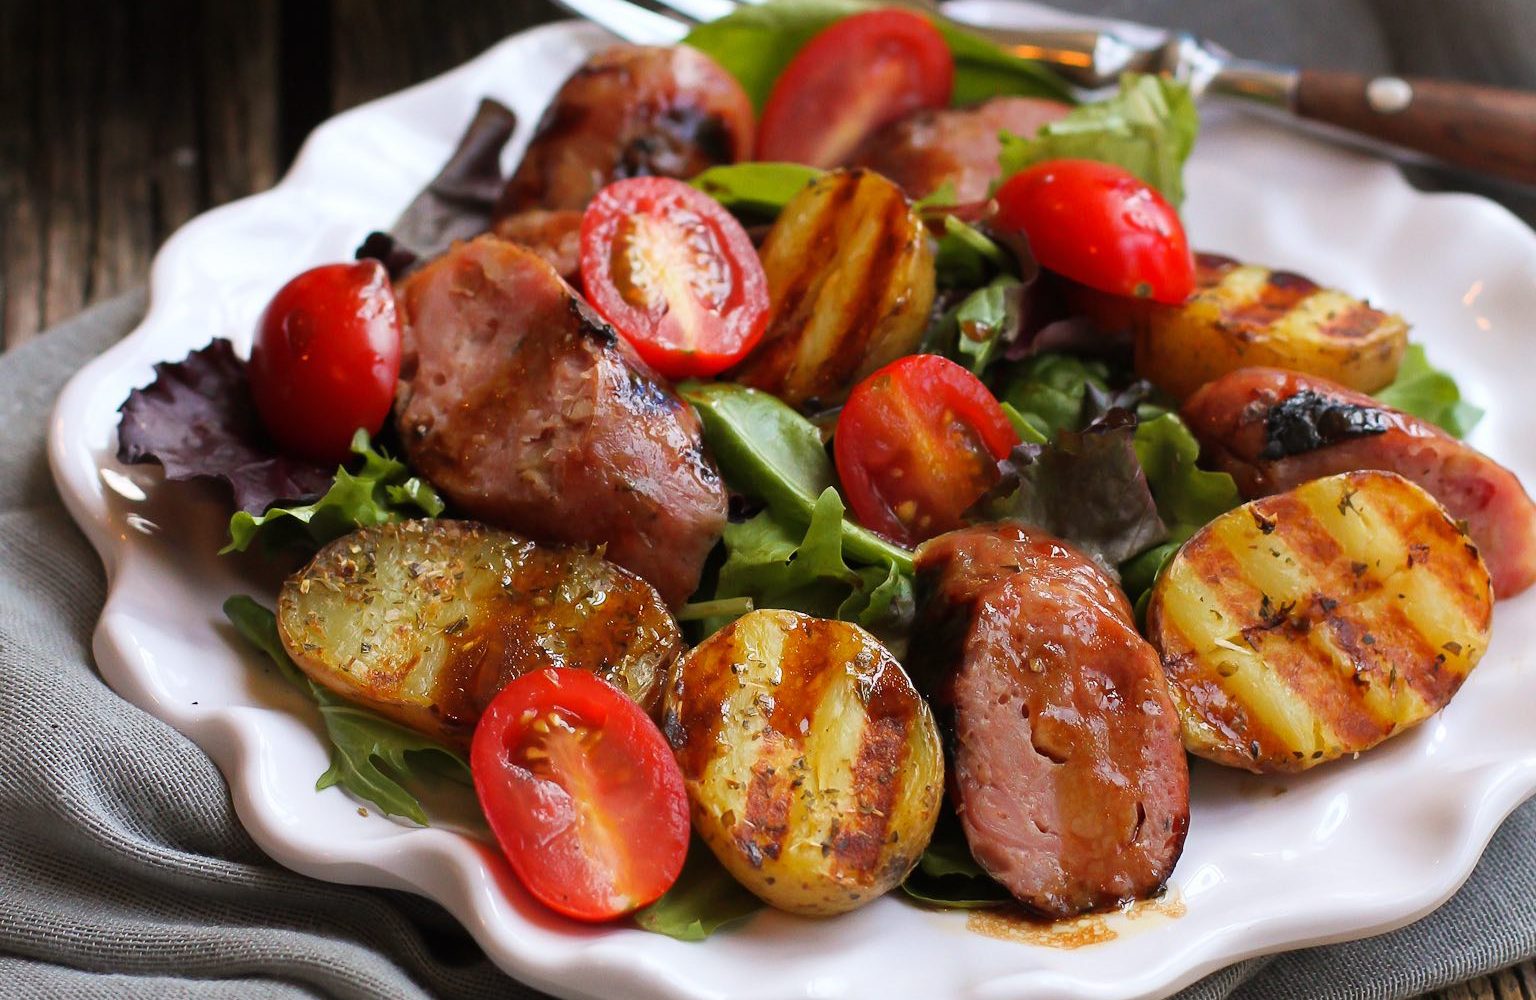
x: 704, y: 899
x: 947, y: 876
x: 966, y: 257
x: 1148, y: 128
x: 1047, y: 390
x: 382, y: 490
x: 758, y: 190
x: 757, y: 41
x: 767, y: 450
x: 1429, y: 393
x: 370, y: 755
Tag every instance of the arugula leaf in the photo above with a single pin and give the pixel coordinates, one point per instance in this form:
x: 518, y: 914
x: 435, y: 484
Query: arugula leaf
x: 704, y: 899
x: 1429, y: 393
x: 759, y: 190
x: 767, y: 450
x: 1188, y: 497
x: 966, y: 257
x: 757, y: 41
x: 382, y: 490
x: 1148, y: 128
x: 370, y: 755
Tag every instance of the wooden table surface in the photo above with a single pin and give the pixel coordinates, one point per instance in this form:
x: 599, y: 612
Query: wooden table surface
x: 104, y: 152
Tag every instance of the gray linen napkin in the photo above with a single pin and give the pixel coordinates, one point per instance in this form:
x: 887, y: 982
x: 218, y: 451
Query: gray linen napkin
x: 124, y: 871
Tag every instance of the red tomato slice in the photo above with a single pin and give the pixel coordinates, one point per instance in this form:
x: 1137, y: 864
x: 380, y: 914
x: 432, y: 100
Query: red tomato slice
x: 675, y: 274
x: 326, y: 358
x: 856, y: 75
x: 582, y: 793
x: 1100, y: 225
x: 917, y: 444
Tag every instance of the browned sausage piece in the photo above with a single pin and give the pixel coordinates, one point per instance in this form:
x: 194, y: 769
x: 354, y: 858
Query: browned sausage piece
x: 923, y: 150
x: 1273, y: 430
x: 529, y: 413
x: 1068, y: 768
x: 555, y: 236
x: 631, y: 111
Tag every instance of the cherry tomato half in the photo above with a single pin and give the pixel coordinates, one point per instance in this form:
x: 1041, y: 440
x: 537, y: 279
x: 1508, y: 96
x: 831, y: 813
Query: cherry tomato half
x: 675, y: 274
x: 1100, y: 225
x: 856, y: 75
x: 326, y: 358
x: 917, y: 444
x: 582, y: 792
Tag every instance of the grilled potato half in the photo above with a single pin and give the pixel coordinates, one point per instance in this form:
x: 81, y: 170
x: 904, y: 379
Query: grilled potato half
x: 425, y: 621
x: 850, y: 284
x: 1315, y: 623
x: 1243, y: 316
x: 814, y: 769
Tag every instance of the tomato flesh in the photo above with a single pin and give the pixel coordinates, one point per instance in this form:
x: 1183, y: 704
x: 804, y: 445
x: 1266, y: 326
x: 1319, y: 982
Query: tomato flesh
x: 1100, y: 225
x: 675, y: 274
x: 858, y: 74
x: 326, y: 358
x: 582, y: 792
x: 917, y: 444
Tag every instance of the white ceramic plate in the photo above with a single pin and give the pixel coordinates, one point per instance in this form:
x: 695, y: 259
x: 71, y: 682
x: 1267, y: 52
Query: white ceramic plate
x: 1353, y: 849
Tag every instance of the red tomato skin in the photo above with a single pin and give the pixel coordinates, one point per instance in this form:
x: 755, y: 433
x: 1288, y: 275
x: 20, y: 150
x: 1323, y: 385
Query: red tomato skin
x: 539, y: 823
x: 326, y: 359
x: 1100, y: 225
x: 873, y: 435
x: 871, y: 68
x: 714, y: 336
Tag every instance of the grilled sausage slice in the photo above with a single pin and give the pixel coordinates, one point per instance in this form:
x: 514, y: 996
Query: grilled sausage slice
x: 1274, y: 430
x: 960, y: 145
x: 1068, y: 769
x: 529, y: 413
x: 555, y: 236
x: 631, y: 111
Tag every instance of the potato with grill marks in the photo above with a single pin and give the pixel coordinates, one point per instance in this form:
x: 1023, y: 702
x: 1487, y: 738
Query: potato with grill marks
x: 425, y: 621
x: 1243, y: 315
x: 814, y: 769
x: 850, y: 284
x: 1319, y: 622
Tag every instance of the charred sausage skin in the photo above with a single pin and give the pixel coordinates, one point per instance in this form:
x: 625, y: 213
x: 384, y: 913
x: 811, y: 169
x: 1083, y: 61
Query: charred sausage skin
x: 631, y: 111
x: 960, y: 145
x: 1068, y: 769
x: 529, y: 413
x: 1273, y: 430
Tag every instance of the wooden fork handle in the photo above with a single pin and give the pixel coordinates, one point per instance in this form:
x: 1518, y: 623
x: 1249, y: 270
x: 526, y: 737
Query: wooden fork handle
x: 1485, y: 129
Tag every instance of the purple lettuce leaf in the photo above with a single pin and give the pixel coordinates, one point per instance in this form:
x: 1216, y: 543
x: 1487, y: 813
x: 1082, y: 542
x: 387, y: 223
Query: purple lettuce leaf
x: 199, y: 421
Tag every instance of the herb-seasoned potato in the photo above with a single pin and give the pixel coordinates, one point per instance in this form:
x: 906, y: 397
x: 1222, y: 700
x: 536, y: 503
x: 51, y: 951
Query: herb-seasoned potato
x: 425, y: 621
x: 850, y: 282
x: 1244, y: 315
x: 813, y: 767
x: 1319, y: 622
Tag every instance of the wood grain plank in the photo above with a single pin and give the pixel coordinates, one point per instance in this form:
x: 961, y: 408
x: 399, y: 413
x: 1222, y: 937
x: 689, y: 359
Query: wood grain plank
x: 21, y: 208
x: 120, y: 172
x: 68, y: 81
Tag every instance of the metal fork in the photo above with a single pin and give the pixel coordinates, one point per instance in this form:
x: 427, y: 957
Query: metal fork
x: 1484, y: 130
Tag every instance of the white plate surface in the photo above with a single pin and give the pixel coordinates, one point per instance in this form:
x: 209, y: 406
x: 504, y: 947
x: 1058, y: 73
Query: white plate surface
x: 1352, y: 849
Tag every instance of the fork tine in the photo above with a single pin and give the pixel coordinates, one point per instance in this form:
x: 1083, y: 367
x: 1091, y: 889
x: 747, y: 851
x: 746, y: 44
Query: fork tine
x: 701, y: 11
x: 628, y: 21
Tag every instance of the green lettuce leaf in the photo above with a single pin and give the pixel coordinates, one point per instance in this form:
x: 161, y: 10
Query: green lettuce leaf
x: 768, y: 451
x: 1427, y: 392
x: 947, y: 877
x: 1148, y: 128
x: 757, y: 41
x: 1188, y: 497
x: 756, y: 190
x: 1047, y: 391
x: 704, y: 899
x: 382, y: 490
x: 371, y: 756
x: 777, y: 564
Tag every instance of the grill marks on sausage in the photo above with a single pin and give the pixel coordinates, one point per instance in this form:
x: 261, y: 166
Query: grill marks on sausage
x: 1348, y: 648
